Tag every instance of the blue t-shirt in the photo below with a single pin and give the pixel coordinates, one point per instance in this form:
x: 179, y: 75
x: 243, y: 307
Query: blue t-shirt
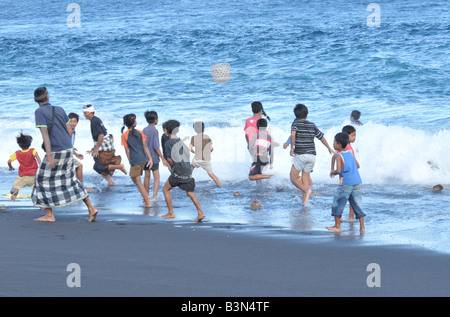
x: 60, y: 139
x: 152, y: 141
x: 350, y: 174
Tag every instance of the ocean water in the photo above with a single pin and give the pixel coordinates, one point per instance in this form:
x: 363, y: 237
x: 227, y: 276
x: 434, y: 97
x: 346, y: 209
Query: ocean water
x: 133, y: 56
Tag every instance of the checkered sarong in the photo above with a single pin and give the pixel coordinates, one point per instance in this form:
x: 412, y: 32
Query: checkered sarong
x: 59, y: 186
x: 107, y: 144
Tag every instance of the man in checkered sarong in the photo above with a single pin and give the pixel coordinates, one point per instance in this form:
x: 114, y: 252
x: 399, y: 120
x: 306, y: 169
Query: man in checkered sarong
x: 56, y: 181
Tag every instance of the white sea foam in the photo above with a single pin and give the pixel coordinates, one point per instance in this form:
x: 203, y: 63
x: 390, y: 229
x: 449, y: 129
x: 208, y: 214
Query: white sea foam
x: 387, y: 154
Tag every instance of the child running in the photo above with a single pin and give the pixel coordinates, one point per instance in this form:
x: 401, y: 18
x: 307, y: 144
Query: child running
x: 29, y: 160
x: 181, y: 176
x: 153, y: 146
x: 137, y: 152
x: 260, y: 147
x: 201, y: 146
x: 303, y: 150
x: 349, y: 188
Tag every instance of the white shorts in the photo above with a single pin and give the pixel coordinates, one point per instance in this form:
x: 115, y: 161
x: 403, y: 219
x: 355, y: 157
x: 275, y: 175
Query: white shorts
x: 304, y: 162
x: 206, y: 165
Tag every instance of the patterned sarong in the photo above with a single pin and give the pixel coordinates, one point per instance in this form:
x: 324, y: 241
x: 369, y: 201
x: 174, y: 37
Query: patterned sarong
x: 59, y: 186
x: 106, y: 155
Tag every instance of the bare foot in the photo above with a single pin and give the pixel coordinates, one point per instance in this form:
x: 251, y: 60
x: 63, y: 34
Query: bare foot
x: 122, y: 168
x: 14, y: 194
x: 306, y: 199
x: 168, y: 216
x: 334, y: 228
x: 200, y: 218
x: 155, y: 199
x: 149, y: 204
x: 46, y: 219
x: 92, y: 215
x: 88, y: 189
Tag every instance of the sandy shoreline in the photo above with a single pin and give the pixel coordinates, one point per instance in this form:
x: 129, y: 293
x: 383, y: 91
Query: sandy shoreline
x: 164, y: 259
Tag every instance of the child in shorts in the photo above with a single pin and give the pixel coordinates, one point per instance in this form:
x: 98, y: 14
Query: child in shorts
x: 137, y: 152
x: 153, y: 146
x: 201, y: 146
x: 303, y: 150
x: 29, y: 160
x: 351, y: 131
x: 349, y: 188
x: 181, y: 173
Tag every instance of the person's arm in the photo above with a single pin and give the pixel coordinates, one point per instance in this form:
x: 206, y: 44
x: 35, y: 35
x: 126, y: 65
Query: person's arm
x: 292, y: 142
x: 150, y: 161
x: 38, y: 158
x: 69, y: 128
x: 47, y: 145
x: 127, y: 152
x: 11, y: 168
x: 99, y: 143
x: 324, y: 141
x: 161, y: 156
x: 333, y: 163
x: 339, y: 165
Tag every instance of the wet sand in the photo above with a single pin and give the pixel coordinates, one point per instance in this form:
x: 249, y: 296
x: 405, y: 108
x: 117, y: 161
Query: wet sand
x: 145, y: 256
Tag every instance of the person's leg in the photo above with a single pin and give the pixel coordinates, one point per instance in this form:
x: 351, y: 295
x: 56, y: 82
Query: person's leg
x: 79, y: 172
x: 338, y: 205
x: 166, y: 190
x: 14, y: 192
x: 215, y: 179
x: 137, y: 181
x: 355, y: 200
x: 156, y: 180
x: 305, y: 181
x: 196, y: 202
x: 108, y: 179
x: 92, y: 210
x: 259, y: 177
x: 296, y: 180
x: 48, y: 217
x: 147, y: 177
x: 121, y: 167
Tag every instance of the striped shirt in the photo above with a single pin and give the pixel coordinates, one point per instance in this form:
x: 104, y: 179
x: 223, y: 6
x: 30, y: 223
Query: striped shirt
x: 305, y: 132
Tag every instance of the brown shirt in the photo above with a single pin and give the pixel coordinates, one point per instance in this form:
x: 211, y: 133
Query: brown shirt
x: 202, y: 147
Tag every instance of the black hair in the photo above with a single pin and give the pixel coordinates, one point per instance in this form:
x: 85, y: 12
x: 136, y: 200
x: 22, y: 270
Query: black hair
x: 172, y: 125
x: 128, y: 121
x: 256, y: 106
x: 24, y: 141
x: 199, y: 126
x: 300, y: 111
x: 151, y: 116
x: 74, y: 115
x: 349, y: 129
x: 40, y: 94
x: 261, y: 123
x: 356, y: 114
x: 342, y: 139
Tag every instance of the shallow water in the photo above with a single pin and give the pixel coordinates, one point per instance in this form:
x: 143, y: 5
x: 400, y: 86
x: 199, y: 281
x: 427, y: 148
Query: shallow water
x: 132, y: 56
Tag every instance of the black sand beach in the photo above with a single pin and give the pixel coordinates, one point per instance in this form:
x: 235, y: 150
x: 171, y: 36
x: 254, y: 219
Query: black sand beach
x: 153, y: 258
